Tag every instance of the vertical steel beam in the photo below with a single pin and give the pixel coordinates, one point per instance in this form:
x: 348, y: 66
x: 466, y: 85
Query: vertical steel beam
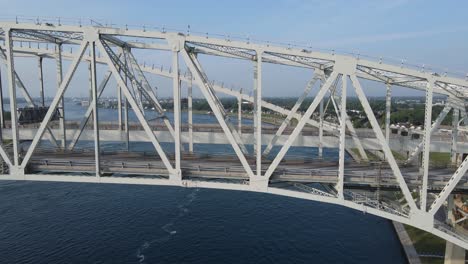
x: 381, y: 138
x: 119, y: 106
x: 41, y: 81
x: 3, y: 154
x: 258, y: 112
x: 454, y: 148
x: 177, y: 112
x: 95, y: 108
x: 90, y: 92
x: 58, y: 60
x: 190, y: 112
x: 320, y: 147
x: 12, y: 93
x: 343, y: 117
x: 239, y: 112
x: 126, y: 128
x: 427, y: 143
x: 388, y: 105
x: 2, y: 106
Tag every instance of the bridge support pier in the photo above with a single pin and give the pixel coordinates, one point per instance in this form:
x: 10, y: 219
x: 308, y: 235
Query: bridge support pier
x: 453, y: 253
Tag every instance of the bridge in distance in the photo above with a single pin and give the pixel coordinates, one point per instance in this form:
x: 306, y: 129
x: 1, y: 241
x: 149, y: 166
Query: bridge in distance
x: 410, y: 190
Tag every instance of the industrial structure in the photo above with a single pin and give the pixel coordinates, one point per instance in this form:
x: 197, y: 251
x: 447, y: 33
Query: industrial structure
x: 409, y: 191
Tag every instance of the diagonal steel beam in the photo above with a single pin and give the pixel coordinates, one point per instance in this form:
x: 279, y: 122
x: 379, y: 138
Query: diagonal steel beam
x: 19, y: 83
x: 126, y: 68
x: 5, y: 156
x: 301, y: 124
x: 12, y: 92
x: 149, y: 93
x: 210, y: 91
x: 63, y: 87
x: 213, y: 101
x: 451, y: 184
x: 350, y: 127
x: 433, y: 128
x: 381, y: 138
x: 291, y: 113
x: 89, y: 110
x: 97, y: 151
x: 111, y: 61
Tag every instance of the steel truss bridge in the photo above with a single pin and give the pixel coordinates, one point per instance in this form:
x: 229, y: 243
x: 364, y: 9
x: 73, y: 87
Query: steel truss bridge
x: 409, y: 191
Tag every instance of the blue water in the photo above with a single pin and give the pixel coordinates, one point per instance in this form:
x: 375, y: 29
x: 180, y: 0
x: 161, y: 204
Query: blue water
x: 92, y: 223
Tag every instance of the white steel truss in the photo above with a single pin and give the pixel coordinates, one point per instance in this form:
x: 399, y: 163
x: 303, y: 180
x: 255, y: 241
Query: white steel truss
x: 262, y: 175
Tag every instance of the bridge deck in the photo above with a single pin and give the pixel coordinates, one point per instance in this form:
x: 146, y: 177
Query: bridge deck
x: 226, y: 167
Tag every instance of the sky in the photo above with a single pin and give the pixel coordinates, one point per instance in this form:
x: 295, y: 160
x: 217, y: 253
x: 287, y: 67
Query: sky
x: 433, y: 33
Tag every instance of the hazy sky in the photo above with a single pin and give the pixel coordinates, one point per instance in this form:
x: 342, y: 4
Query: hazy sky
x: 421, y: 32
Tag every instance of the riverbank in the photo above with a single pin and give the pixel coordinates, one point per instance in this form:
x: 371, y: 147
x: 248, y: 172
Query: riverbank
x: 426, y: 244
x: 407, y: 244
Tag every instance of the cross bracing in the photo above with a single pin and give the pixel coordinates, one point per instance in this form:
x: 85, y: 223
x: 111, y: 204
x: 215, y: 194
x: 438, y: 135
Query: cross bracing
x: 421, y: 193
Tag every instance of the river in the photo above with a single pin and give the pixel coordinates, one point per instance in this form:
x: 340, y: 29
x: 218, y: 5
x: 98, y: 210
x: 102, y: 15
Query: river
x: 93, y: 223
